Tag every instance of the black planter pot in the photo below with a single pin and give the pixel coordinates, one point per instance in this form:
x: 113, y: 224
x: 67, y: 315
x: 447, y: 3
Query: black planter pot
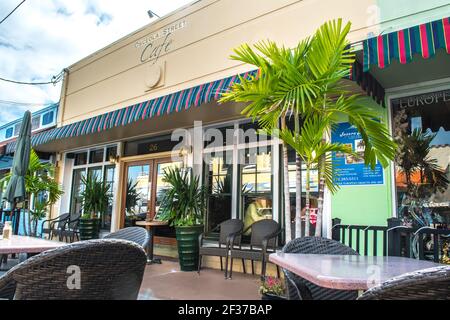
x: 89, y: 229
x: 187, y: 238
x: 268, y: 296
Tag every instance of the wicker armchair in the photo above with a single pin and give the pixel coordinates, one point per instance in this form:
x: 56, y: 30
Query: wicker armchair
x: 427, y: 284
x: 227, y: 230
x: 137, y: 235
x: 109, y: 270
x: 263, y: 241
x: 302, y: 289
x: 54, y: 225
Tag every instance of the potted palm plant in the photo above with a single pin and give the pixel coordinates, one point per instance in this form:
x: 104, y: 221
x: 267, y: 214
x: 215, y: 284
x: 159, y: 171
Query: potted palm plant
x: 96, y: 197
x: 183, y: 206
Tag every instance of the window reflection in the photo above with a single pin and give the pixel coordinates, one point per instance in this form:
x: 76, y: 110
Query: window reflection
x: 256, y: 185
x: 219, y: 180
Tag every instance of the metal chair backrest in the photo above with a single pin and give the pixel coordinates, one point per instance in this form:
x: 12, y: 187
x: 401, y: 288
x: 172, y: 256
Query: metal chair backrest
x: 427, y: 284
x: 74, y: 220
x: 229, y: 227
x: 100, y: 270
x: 261, y: 229
x: 137, y: 235
x: 62, y: 220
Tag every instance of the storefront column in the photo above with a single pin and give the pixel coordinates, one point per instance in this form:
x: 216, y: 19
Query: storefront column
x: 66, y: 182
x: 115, y: 215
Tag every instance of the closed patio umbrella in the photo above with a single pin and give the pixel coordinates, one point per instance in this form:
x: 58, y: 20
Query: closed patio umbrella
x: 15, y: 190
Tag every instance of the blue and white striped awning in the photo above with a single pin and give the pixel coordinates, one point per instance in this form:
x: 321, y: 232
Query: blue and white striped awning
x: 175, y: 102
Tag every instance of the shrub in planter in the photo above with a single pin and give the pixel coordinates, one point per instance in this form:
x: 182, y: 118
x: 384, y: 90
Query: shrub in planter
x: 96, y: 196
x: 183, y: 206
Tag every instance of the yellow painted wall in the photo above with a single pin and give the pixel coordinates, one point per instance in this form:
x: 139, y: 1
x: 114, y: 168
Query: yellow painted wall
x: 115, y: 76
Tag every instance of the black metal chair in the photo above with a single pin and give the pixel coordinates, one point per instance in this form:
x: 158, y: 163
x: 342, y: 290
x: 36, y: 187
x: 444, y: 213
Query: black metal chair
x: 227, y: 230
x: 53, y: 225
x: 88, y: 270
x: 137, y: 235
x: 69, y: 231
x: 263, y: 241
x: 427, y: 284
x: 299, y: 288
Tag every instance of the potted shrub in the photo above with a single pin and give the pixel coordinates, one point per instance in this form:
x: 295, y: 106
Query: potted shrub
x: 96, y: 195
x: 272, y: 289
x: 183, y: 206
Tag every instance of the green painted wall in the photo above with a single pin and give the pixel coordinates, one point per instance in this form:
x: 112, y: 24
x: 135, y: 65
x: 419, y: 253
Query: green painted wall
x: 365, y: 205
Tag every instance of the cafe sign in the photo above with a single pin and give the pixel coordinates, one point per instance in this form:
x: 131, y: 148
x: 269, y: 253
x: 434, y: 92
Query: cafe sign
x: 152, y: 47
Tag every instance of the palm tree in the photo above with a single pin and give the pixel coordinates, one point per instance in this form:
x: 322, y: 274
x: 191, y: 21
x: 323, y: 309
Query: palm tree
x: 306, y: 82
x: 39, y: 179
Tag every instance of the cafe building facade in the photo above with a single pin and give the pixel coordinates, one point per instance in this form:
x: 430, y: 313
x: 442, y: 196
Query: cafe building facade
x: 148, y: 102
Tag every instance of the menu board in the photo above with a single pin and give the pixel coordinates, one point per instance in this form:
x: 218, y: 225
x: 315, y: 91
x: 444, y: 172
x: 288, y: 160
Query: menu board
x: 350, y: 170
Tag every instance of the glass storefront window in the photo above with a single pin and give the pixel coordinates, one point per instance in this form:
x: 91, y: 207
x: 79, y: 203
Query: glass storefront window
x: 219, y: 183
x: 102, y: 169
x: 422, y: 130
x: 96, y: 156
x: 80, y: 159
x: 137, y: 192
x: 255, y: 184
x: 109, y: 178
x: 77, y: 189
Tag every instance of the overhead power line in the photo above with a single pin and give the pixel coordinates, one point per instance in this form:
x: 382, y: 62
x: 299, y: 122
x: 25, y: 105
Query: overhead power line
x: 54, y: 81
x: 9, y: 14
x: 18, y: 103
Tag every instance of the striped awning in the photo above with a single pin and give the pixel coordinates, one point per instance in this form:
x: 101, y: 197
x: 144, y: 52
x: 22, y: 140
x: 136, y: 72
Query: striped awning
x: 402, y: 45
x: 171, y: 103
x: 175, y: 102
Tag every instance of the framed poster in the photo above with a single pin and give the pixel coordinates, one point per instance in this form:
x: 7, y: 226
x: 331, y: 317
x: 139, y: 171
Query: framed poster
x: 350, y: 170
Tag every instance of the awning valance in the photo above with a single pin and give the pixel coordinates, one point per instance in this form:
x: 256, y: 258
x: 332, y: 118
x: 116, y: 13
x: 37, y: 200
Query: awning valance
x: 402, y: 45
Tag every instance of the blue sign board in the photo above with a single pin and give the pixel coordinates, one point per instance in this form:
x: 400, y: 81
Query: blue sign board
x: 351, y: 170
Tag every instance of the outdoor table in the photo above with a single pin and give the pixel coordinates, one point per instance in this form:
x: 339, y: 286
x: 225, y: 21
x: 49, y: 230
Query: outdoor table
x: 29, y: 245
x: 347, y: 272
x: 150, y: 226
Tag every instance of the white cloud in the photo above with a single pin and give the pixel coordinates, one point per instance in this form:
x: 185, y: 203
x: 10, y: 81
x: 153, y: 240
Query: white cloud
x: 43, y: 37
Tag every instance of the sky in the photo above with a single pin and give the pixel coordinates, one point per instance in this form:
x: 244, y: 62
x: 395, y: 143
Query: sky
x: 43, y: 37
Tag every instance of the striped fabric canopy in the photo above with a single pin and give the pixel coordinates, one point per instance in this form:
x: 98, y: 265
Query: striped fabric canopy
x: 424, y: 39
x: 175, y: 102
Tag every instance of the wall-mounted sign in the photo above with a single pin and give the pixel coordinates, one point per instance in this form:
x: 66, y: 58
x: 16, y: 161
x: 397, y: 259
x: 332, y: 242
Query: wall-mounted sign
x: 350, y: 170
x: 158, y: 43
x: 423, y: 99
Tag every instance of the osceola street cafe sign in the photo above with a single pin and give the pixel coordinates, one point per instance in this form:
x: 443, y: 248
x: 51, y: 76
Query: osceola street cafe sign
x: 156, y: 44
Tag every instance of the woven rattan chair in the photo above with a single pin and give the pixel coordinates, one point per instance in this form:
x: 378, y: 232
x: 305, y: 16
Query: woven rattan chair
x: 301, y: 289
x: 263, y: 241
x: 227, y: 230
x: 52, y: 226
x: 108, y: 270
x: 137, y: 235
x: 427, y: 284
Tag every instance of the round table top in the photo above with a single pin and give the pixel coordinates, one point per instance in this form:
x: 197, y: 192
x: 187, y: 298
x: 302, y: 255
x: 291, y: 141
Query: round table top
x: 153, y: 223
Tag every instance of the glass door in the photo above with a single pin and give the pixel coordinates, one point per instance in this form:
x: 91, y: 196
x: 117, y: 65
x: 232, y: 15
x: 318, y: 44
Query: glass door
x: 161, y: 165
x: 137, y: 187
x: 144, y: 188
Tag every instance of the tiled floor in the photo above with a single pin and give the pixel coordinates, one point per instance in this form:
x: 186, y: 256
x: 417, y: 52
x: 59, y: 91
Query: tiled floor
x: 167, y: 282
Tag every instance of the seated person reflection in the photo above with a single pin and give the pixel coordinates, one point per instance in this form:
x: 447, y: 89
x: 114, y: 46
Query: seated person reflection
x: 259, y: 209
